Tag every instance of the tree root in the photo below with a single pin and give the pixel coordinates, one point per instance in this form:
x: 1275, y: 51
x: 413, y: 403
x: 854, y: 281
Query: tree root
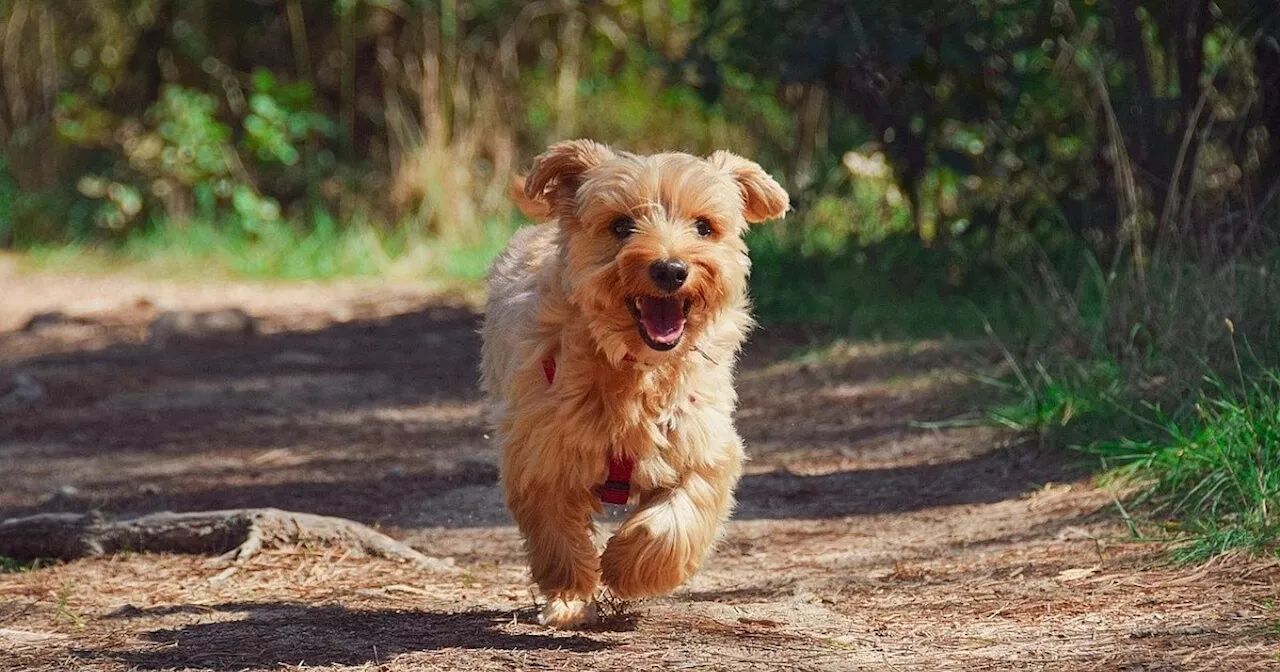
x: 234, y: 535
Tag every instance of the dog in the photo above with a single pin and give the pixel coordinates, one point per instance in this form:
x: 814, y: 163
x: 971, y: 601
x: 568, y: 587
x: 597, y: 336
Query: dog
x: 609, y: 342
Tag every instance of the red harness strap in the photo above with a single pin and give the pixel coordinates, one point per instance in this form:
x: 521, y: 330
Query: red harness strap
x: 617, y: 487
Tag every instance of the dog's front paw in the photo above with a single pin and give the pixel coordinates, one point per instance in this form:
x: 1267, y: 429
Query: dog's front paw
x: 638, y: 563
x: 565, y: 613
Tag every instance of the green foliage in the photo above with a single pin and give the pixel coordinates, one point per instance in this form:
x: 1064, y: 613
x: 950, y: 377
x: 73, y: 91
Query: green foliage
x: 1003, y: 127
x: 281, y: 117
x: 1012, y: 126
x: 182, y: 160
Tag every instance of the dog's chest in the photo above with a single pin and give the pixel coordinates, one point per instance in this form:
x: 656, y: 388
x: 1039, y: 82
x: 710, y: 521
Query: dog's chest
x: 667, y: 407
x: 668, y: 422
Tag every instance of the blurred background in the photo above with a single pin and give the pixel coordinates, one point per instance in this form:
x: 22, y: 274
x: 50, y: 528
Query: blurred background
x: 1090, y: 183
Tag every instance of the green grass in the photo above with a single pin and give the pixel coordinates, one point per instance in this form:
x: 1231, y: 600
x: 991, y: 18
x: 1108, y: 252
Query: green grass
x: 892, y: 288
x: 1202, y: 459
x: 282, y: 251
x: 12, y: 565
x: 1079, y: 401
x: 1206, y: 478
x: 1141, y: 373
x: 1215, y: 475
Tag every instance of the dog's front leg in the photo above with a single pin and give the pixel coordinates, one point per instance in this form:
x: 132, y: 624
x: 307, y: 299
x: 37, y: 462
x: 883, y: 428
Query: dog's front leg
x: 557, y: 529
x: 662, y: 542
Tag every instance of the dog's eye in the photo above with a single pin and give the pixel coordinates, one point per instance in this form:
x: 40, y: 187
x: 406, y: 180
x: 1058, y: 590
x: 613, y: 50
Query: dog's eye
x: 703, y: 227
x: 623, y: 227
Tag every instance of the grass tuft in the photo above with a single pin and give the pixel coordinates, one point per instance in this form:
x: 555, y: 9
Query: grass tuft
x: 14, y: 566
x: 1215, y: 476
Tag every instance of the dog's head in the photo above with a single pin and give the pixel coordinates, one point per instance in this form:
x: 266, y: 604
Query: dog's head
x: 653, y: 245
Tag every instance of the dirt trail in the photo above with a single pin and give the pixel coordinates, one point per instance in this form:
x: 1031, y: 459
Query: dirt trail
x: 868, y: 536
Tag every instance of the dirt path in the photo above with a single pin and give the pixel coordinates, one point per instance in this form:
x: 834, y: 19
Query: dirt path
x: 866, y: 537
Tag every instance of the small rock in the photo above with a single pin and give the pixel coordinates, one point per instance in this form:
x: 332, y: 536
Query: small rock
x: 42, y: 321
x: 64, y: 494
x: 59, y: 324
x: 24, y: 637
x: 23, y: 389
x: 219, y: 325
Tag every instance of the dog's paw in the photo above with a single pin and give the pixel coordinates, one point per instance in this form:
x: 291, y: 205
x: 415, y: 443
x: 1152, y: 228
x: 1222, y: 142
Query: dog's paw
x: 567, y: 613
x: 638, y: 564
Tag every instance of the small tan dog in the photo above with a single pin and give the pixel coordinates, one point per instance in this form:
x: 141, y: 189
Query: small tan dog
x: 609, y: 345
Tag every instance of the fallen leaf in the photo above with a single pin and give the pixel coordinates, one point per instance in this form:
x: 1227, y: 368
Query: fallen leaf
x: 1077, y: 573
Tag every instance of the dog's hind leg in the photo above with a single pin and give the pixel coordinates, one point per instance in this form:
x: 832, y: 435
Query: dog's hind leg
x: 662, y: 542
x: 557, y: 529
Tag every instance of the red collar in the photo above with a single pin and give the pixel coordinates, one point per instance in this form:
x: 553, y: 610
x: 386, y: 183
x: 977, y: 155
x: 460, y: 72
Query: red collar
x: 617, y: 486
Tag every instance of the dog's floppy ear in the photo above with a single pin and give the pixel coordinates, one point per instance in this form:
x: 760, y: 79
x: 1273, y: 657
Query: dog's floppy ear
x: 535, y: 209
x: 763, y: 197
x: 557, y: 172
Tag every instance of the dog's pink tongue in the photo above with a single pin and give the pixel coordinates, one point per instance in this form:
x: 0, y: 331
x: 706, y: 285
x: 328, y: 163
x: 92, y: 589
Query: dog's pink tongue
x: 662, y: 318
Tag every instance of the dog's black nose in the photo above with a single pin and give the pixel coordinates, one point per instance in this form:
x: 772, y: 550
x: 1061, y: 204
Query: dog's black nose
x: 668, y: 274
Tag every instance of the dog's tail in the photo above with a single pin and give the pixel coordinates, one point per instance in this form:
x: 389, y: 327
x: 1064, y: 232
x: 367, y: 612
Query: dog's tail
x: 534, y: 209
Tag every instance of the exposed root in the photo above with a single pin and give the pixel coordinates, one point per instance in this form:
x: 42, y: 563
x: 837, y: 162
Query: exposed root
x: 234, y: 535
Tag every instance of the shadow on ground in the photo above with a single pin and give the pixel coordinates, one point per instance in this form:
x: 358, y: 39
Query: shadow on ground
x: 990, y: 477
x: 271, y: 635
x: 379, y: 420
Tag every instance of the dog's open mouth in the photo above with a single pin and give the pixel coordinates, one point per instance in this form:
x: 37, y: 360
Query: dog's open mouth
x: 660, y: 319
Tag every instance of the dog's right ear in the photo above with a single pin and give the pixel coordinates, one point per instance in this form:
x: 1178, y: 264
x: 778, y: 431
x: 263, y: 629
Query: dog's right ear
x: 557, y: 173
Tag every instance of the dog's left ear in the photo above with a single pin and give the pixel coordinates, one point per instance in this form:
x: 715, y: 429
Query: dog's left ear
x: 535, y: 209
x: 762, y: 196
x: 557, y: 173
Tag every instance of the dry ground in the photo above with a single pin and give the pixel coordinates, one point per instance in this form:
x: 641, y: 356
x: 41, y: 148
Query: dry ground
x: 866, y: 537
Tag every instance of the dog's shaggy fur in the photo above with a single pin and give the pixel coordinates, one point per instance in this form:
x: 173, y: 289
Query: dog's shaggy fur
x: 643, y: 361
